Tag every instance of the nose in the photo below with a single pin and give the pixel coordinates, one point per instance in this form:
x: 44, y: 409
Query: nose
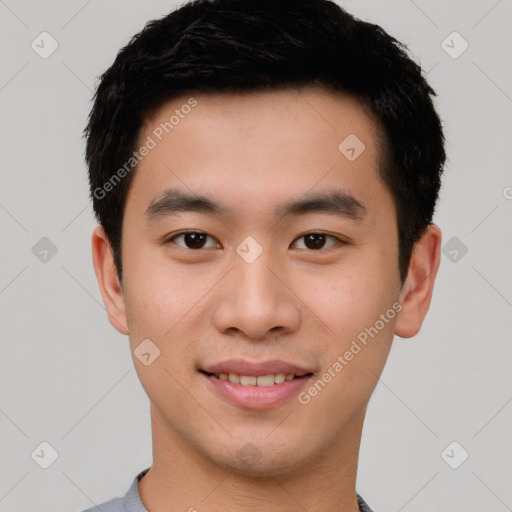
x: 255, y: 300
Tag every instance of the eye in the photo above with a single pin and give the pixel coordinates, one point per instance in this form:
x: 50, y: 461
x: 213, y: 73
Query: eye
x: 193, y: 240
x: 197, y: 240
x: 316, y: 241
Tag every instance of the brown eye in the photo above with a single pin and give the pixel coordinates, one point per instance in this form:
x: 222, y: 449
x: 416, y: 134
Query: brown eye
x: 317, y: 241
x: 193, y: 240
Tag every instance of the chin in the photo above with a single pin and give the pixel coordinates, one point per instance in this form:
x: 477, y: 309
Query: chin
x: 261, y: 460
x: 262, y: 469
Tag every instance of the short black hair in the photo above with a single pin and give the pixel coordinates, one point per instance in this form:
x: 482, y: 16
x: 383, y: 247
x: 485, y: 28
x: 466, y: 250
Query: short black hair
x: 248, y: 45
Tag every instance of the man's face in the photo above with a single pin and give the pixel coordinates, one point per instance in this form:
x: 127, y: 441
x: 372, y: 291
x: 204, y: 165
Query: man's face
x: 255, y: 285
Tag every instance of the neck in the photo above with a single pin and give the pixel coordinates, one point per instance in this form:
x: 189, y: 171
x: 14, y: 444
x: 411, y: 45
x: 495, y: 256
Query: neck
x: 186, y: 479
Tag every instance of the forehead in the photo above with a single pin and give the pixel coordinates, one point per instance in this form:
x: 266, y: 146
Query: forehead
x: 289, y: 116
x: 251, y: 149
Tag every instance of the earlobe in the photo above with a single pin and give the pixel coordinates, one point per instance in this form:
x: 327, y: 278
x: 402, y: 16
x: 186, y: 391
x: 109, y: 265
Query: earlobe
x: 108, y: 280
x: 418, y: 287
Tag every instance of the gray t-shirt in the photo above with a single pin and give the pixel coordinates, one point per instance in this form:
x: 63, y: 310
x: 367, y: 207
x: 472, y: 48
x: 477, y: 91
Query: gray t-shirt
x: 131, y: 502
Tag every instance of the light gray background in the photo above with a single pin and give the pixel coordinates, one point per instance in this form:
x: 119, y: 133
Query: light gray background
x: 66, y: 376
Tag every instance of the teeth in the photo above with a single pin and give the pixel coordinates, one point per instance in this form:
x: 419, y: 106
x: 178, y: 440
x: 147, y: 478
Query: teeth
x: 234, y: 378
x: 250, y: 380
x: 280, y: 377
x: 265, y: 380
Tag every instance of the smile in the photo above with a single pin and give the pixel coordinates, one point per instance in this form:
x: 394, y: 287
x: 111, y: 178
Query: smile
x: 252, y: 385
x: 252, y: 380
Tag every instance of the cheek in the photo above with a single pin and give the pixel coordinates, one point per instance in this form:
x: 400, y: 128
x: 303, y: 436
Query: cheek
x: 154, y: 297
x: 163, y: 296
x: 349, y: 295
x: 350, y: 301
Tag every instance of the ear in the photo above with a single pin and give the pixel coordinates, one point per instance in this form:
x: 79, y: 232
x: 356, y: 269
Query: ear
x: 417, y: 290
x: 108, y: 279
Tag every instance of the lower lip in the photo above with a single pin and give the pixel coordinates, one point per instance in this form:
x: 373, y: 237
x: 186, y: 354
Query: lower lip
x: 257, y: 397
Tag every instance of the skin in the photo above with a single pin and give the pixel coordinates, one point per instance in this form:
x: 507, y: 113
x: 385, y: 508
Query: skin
x: 252, y: 152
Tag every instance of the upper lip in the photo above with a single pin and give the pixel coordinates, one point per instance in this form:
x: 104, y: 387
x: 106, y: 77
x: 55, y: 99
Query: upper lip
x: 257, y: 368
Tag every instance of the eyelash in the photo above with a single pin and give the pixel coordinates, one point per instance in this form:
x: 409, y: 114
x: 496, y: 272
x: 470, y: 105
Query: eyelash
x: 181, y: 233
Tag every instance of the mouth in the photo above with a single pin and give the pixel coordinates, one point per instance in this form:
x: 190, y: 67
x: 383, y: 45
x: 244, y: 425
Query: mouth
x: 268, y: 380
x: 255, y: 385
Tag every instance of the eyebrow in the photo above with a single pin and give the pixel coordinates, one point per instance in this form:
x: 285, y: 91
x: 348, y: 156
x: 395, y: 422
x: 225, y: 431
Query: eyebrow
x: 338, y: 203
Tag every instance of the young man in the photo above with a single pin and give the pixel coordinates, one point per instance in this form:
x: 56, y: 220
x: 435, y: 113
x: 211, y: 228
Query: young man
x: 265, y: 175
